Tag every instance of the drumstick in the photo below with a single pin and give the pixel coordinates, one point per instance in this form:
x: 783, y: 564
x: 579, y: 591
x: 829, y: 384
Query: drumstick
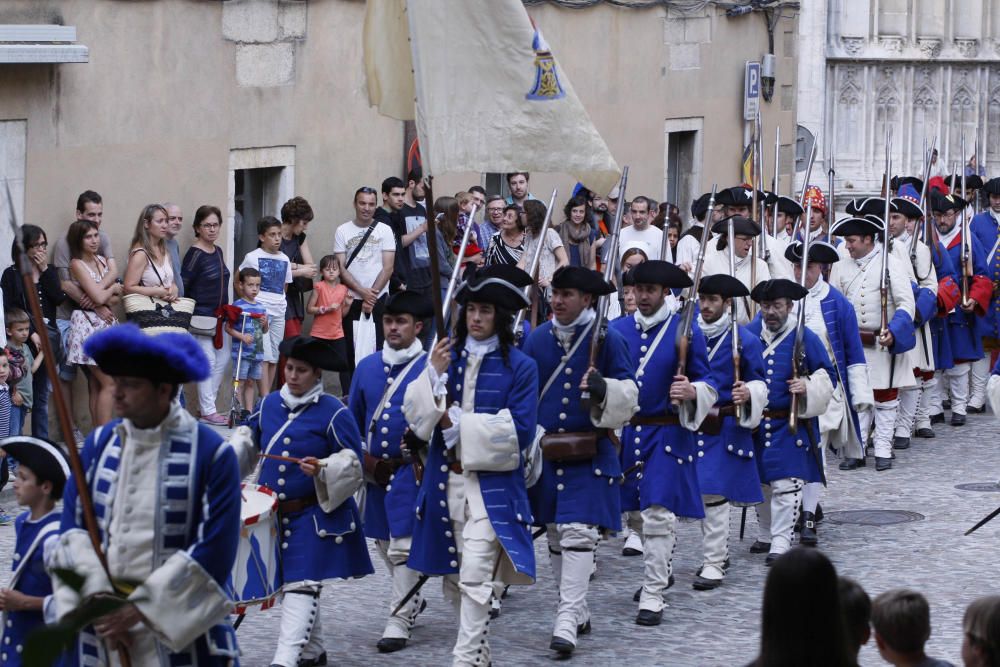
x: 290, y: 459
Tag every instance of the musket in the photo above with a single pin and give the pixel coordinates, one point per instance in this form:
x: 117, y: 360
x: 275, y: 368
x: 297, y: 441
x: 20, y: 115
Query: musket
x: 802, y: 193
x: 600, y: 322
x: 883, y: 280
x: 831, y: 175
x: 975, y: 201
x: 758, y: 212
x: 686, y: 330
x: 967, y: 272
x: 918, y: 230
x: 989, y: 517
x: 536, y: 257
x: 432, y: 250
x: 62, y: 406
x: 733, y: 326
x: 455, y: 273
x: 754, y: 158
x: 798, y: 350
x: 774, y: 181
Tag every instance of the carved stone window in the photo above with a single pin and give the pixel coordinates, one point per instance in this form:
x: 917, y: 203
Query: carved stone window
x: 887, y: 110
x: 926, y: 109
x: 962, y: 120
x: 850, y: 113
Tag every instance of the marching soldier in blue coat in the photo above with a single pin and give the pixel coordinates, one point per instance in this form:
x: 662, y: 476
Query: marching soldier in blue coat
x: 180, y: 543
x: 322, y: 537
x: 577, y: 497
x: 727, y: 472
x: 376, y: 401
x: 830, y: 316
x: 660, y: 432
x: 965, y: 322
x: 41, y: 476
x: 787, y: 461
x: 476, y: 405
x: 986, y: 228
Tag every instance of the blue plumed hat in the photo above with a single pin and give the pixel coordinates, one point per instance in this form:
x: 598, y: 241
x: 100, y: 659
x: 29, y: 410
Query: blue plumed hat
x: 125, y: 350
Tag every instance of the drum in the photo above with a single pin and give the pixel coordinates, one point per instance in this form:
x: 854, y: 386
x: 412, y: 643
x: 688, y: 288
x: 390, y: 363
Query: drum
x: 256, y: 577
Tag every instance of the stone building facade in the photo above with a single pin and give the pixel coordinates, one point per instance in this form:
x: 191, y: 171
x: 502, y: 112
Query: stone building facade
x: 926, y: 68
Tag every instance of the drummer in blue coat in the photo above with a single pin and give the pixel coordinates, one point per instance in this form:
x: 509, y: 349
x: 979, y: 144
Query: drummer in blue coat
x: 831, y: 317
x: 577, y: 498
x: 41, y: 475
x: 476, y: 404
x: 317, y: 471
x: 727, y: 472
x: 966, y: 322
x: 986, y: 228
x: 658, y: 440
x: 376, y: 401
x: 787, y: 461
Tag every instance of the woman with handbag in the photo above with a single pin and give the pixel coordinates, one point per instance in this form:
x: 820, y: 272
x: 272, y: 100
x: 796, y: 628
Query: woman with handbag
x: 206, y: 278
x: 149, y: 271
x: 93, y: 274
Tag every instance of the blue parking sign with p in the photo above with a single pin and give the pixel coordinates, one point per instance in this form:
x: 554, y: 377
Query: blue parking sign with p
x: 751, y: 90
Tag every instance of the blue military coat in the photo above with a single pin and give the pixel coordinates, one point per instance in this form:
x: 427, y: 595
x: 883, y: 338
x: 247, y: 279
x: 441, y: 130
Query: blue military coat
x: 966, y: 330
x: 780, y: 453
x: 29, y: 578
x: 667, y: 452
x: 726, y: 465
x: 940, y: 336
x: 315, y: 545
x: 584, y: 491
x: 842, y: 329
x: 199, y: 513
x: 388, y: 511
x: 987, y: 233
x: 510, y: 383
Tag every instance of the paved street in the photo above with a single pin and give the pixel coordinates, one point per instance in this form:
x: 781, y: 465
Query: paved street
x: 719, y: 627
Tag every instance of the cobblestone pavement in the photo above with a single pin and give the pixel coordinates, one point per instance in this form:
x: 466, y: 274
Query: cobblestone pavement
x: 718, y: 627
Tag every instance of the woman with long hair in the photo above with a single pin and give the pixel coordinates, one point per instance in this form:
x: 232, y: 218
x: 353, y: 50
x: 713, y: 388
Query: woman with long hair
x: 507, y: 246
x: 96, y: 278
x: 35, y: 245
x: 802, y: 629
x: 578, y: 234
x: 149, y: 271
x: 552, y: 257
x: 206, y: 279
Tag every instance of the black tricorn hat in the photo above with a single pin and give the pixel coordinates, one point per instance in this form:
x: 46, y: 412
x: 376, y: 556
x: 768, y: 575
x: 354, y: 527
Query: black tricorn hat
x: 585, y: 280
x: 659, y: 272
x: 316, y: 352
x: 723, y: 285
x: 741, y: 226
x: 820, y: 252
x: 409, y: 302
x: 499, y: 284
x: 778, y: 288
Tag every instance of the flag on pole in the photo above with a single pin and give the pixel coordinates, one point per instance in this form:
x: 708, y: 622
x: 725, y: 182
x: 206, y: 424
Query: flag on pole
x: 746, y: 164
x: 421, y: 55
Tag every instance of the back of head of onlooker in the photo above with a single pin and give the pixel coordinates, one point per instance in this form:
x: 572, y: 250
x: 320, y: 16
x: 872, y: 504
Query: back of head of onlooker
x: 901, y: 619
x: 801, y: 621
x: 856, y: 607
x: 981, y: 633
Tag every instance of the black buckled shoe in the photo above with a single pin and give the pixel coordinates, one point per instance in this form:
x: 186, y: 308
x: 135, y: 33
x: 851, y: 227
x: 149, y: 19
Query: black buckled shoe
x: 583, y: 629
x: 638, y: 592
x: 807, y: 537
x: 852, y: 464
x: 390, y: 644
x: 759, y: 547
x: 957, y: 419
x: 648, y: 618
x: 946, y: 404
x: 562, y: 646
x: 819, y: 513
x: 938, y: 418
x: 701, y: 583
x: 899, y: 442
x: 882, y: 464
x: 924, y: 433
x: 976, y: 411
x: 317, y: 661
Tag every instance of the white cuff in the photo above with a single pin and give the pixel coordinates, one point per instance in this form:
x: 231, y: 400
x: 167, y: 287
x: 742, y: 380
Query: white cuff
x: 620, y: 402
x: 75, y: 551
x: 753, y: 410
x: 439, y: 382
x: 420, y: 407
x: 245, y: 449
x: 338, y: 479
x: 180, y: 601
x: 819, y: 391
x: 862, y: 397
x: 489, y: 442
x: 692, y: 413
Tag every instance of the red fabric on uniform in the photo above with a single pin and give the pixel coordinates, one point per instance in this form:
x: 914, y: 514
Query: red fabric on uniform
x: 981, y: 291
x: 884, y: 395
x: 948, y: 296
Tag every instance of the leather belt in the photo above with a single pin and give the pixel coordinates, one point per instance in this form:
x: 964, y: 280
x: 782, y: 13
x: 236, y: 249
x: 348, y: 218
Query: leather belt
x: 869, y: 338
x: 656, y: 420
x: 728, y: 410
x: 297, y: 504
x: 776, y: 414
x: 455, y: 467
